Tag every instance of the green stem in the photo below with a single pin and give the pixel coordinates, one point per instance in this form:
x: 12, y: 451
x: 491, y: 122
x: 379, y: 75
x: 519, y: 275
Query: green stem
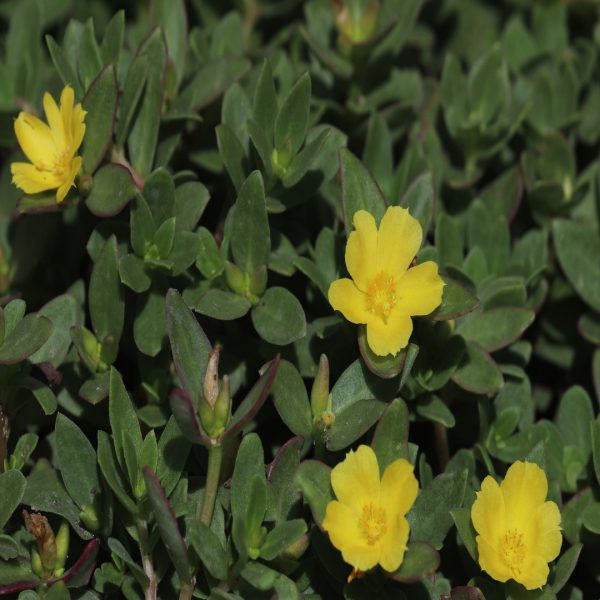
x: 319, y: 443
x: 215, y: 457
x: 4, y: 431
x: 187, y: 589
x: 145, y: 551
x: 441, y: 444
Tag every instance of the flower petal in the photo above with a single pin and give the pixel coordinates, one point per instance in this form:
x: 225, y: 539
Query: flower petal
x: 67, y: 99
x: 393, y: 544
x: 36, y: 141
x: 534, y: 572
x: 389, y: 338
x: 55, y: 121
x: 69, y: 182
x: 31, y: 180
x: 490, y: 561
x: 399, y: 239
x: 344, y: 296
x: 77, y: 127
x: 341, y: 523
x: 420, y: 289
x: 524, y: 488
x: 488, y: 512
x: 355, y: 480
x: 399, y: 488
x: 544, y: 533
x: 361, y: 249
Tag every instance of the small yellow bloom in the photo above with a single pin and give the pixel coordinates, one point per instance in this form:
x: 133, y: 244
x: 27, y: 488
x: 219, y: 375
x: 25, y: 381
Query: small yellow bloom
x: 50, y: 148
x: 367, y: 522
x: 519, y: 531
x: 384, y: 292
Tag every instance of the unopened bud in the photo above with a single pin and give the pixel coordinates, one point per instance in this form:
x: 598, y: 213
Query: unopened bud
x: 222, y: 408
x: 39, y: 527
x: 258, y: 281
x: 89, y: 517
x: 236, y: 278
x: 62, y: 548
x: 355, y: 20
x: 319, y: 395
x: 210, y: 390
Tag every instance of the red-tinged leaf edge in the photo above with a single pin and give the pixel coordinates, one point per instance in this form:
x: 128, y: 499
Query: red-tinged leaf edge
x: 185, y: 414
x: 464, y: 592
x: 251, y: 405
x: 81, y: 572
x: 18, y: 586
x: 167, y: 525
x: 297, y: 440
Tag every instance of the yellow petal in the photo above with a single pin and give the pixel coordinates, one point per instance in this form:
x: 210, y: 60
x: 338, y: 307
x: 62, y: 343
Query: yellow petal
x: 534, y: 573
x: 399, y: 488
x: 77, y: 127
x: 341, y: 523
x: 490, y: 561
x: 420, y: 289
x: 32, y: 180
x: 361, y: 249
x: 55, y: 121
x: 344, y: 296
x: 389, y: 338
x: 393, y: 544
x: 524, y: 488
x: 488, y: 513
x: 355, y: 480
x: 544, y: 534
x: 69, y: 181
x: 36, y: 141
x: 67, y: 98
x: 399, y: 239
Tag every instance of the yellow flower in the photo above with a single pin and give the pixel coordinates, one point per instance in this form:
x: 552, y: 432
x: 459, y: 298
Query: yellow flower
x: 519, y: 531
x: 383, y: 292
x: 51, y: 148
x: 367, y: 522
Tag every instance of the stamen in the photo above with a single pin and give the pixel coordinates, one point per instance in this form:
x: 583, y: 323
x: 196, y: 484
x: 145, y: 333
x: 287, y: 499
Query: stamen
x: 372, y: 523
x: 381, y: 295
x: 513, y: 550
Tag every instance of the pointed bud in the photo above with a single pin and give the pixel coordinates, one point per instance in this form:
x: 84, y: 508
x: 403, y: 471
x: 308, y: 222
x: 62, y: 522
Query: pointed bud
x: 258, y: 281
x: 39, y: 527
x: 223, y: 407
x: 319, y: 395
x: 356, y: 21
x: 62, y: 548
x: 210, y: 389
x: 236, y: 278
x: 89, y: 517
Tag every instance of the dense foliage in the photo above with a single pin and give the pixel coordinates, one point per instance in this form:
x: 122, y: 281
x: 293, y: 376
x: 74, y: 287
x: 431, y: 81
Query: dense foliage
x: 176, y: 388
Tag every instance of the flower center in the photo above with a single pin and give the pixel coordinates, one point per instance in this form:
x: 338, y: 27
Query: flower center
x: 61, y: 166
x: 381, y: 295
x: 513, y: 550
x: 372, y: 523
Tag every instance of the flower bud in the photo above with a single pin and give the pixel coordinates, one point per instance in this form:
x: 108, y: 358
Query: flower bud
x: 258, y: 281
x: 222, y: 409
x: 235, y: 277
x: 210, y: 390
x: 62, y: 548
x: 89, y: 517
x: 37, y: 524
x: 356, y: 20
x: 319, y: 395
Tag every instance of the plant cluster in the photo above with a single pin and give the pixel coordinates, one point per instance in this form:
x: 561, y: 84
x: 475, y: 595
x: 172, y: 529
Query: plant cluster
x: 300, y: 299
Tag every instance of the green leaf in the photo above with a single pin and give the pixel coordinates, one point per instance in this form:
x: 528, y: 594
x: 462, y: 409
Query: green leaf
x: 578, y: 247
x: 112, y: 189
x: 390, y: 440
x: 465, y: 529
x: 159, y: 193
x: 496, y: 328
x: 304, y: 160
x: 279, y: 317
x: 419, y: 199
x: 232, y: 153
x: 8, y: 547
x: 314, y: 480
x: 282, y: 536
x: 573, y: 418
x: 167, y: 525
x: 477, y: 372
x: 123, y: 418
x: 359, y: 189
x: 172, y: 18
x: 250, y: 236
x: 264, y: 105
x: 457, y: 301
x: 291, y: 399
x: 143, y: 138
x: 208, y: 547
x: 62, y: 311
x: 173, y: 450
x: 420, y: 560
x: 133, y: 273
x: 353, y: 422
x: 62, y: 66
x: 112, y: 42
x: 149, y: 327
x: 45, y: 492
x: 433, y: 408
x: 386, y: 367
x: 132, y: 92
x: 77, y: 462
x: 12, y: 488
x: 100, y: 104
x: 89, y: 61
x: 291, y: 122
x: 29, y: 335
x: 107, y: 461
x: 430, y: 518
x: 106, y: 301
x: 564, y: 568
x: 189, y: 345
x: 221, y: 305
x: 249, y: 464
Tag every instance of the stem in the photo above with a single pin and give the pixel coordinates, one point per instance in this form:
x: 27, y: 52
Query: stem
x: 187, y: 589
x: 215, y: 457
x: 441, y: 446
x: 4, y: 431
x: 144, y: 541
x: 319, y: 443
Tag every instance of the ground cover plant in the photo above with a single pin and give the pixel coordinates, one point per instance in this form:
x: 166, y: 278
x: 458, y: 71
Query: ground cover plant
x: 300, y: 299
